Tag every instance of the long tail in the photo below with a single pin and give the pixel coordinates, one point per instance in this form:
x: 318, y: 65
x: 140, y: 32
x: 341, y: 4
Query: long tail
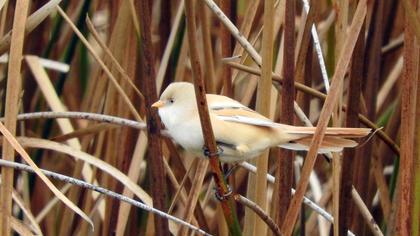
x: 334, y: 141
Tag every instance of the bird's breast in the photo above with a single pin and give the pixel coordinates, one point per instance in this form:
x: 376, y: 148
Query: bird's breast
x: 188, y: 134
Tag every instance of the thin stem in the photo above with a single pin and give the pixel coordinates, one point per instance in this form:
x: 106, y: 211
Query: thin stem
x: 209, y: 142
x: 104, y: 191
x: 259, y: 211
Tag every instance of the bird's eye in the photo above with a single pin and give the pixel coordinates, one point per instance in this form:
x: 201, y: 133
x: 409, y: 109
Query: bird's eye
x: 171, y: 100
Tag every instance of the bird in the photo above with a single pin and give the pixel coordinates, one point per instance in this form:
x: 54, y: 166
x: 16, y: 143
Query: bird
x: 240, y: 132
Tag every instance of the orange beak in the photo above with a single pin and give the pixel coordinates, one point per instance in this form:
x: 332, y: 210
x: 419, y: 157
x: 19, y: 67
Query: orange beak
x: 158, y: 104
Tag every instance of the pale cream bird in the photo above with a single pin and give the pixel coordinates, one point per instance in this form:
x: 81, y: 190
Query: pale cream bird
x: 240, y: 132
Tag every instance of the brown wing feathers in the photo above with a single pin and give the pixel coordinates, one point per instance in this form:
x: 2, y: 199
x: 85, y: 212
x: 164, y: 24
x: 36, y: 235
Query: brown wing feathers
x: 335, y: 138
x: 331, y: 131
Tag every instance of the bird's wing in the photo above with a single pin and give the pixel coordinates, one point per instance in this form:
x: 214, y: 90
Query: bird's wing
x: 227, y: 109
x: 331, y: 131
x: 219, y: 102
x: 248, y: 120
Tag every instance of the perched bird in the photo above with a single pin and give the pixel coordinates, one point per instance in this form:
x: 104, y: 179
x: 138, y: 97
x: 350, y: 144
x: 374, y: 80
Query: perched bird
x: 240, y: 132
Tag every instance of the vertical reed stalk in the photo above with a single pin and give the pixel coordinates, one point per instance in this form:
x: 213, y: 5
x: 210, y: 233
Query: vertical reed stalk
x: 415, y: 229
x: 416, y: 178
x: 263, y: 107
x: 337, y: 119
x: 153, y: 126
x: 13, y: 90
x: 208, y: 49
x: 226, y: 42
x: 404, y: 221
x: 284, y: 174
x: 210, y: 143
x: 372, y: 72
x: 353, y: 104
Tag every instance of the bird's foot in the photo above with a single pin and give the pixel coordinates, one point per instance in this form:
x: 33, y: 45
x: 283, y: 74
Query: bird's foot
x: 223, y: 196
x: 209, y: 154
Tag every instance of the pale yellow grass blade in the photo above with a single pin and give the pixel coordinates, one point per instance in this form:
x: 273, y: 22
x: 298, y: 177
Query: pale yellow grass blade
x: 168, y: 49
x: 2, y: 2
x: 133, y: 174
x: 51, y: 97
x: 108, y: 52
x: 195, y: 191
x: 15, y: 144
x: 27, y: 212
x: 33, y: 21
x: 20, y: 227
x: 113, y: 80
x: 56, y: 105
x: 80, y: 155
x: 50, y: 205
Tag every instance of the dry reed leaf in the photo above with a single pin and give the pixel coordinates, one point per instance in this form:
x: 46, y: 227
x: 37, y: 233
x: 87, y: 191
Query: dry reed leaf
x: 303, y: 41
x: 412, y: 16
x: 56, y: 105
x: 235, y: 32
x: 80, y: 155
x: 121, y: 34
x: 46, y: 63
x: 183, y: 61
x: 2, y: 2
x: 15, y: 144
x: 389, y: 83
x: 114, y: 61
x: 126, y: 29
x: 33, y: 21
x: 133, y: 174
x: 209, y: 71
x: 51, y: 204
x: 169, y: 45
x: 194, y: 193
x: 90, y: 130
x: 53, y: 101
x: 27, y: 212
x: 246, y: 25
x: 102, y: 64
x: 315, y: 218
x: 179, y: 187
x: 21, y: 228
x: 135, y: 18
x: 374, y: 228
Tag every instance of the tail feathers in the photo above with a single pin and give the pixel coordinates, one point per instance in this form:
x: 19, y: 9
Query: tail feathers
x: 329, y: 144
x: 331, y: 131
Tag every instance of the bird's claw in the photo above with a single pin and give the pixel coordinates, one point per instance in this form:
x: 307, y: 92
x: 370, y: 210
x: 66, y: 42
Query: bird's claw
x: 223, y: 196
x: 209, y: 154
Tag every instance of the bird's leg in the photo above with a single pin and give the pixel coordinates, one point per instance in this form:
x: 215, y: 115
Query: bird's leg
x: 208, y: 154
x: 222, y: 197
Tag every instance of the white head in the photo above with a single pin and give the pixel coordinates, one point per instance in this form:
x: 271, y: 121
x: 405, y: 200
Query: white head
x: 177, y: 100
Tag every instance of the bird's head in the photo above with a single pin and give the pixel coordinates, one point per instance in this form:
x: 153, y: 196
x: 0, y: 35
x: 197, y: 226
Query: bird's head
x: 177, y: 99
